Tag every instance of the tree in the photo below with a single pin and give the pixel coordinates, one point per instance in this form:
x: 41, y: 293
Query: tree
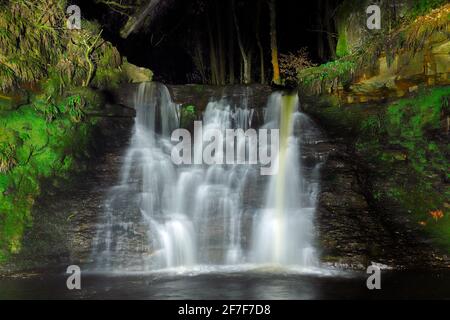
x: 331, y: 36
x: 273, y: 42
x: 220, y: 45
x: 212, y: 53
x: 231, y: 46
x: 90, y: 45
x: 258, y: 41
x: 245, y: 57
x: 292, y: 63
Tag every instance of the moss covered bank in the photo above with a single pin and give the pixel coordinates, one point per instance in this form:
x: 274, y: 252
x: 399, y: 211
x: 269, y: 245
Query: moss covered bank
x: 385, y: 102
x: 52, y: 81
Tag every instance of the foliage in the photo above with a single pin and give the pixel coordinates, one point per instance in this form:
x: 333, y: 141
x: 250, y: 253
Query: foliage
x: 410, y: 36
x: 327, y: 76
x: 342, y: 45
x: 35, y: 44
x: 36, y: 146
x: 405, y: 138
x: 29, y: 39
x: 422, y: 7
x: 108, y: 77
x: 188, y: 116
x: 38, y: 140
x: 292, y: 63
x: 8, y: 144
x: 42, y: 65
x: 404, y: 150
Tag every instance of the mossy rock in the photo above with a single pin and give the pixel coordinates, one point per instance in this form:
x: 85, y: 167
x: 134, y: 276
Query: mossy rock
x: 188, y: 116
x: 135, y: 74
x: 6, y: 103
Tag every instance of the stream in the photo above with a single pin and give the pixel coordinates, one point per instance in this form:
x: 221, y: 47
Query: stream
x: 233, y: 285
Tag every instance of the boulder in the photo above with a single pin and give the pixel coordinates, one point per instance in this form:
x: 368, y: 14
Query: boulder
x: 135, y: 74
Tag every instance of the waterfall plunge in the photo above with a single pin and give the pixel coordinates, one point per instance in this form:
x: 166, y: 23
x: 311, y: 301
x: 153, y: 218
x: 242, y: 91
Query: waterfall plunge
x: 283, y: 231
x: 141, y: 231
x: 162, y: 216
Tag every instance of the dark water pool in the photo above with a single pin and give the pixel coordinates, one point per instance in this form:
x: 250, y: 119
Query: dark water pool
x: 239, y: 286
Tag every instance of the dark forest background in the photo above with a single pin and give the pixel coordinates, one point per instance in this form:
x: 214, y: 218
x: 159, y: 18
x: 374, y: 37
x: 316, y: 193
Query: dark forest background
x: 198, y: 41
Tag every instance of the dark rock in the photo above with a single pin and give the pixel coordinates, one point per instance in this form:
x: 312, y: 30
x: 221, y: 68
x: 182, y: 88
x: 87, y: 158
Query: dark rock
x: 354, y: 231
x: 200, y: 95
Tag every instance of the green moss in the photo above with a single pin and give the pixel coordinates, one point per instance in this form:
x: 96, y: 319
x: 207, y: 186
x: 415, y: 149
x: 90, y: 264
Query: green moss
x: 43, y: 123
x: 402, y: 142
x: 108, y: 78
x: 188, y: 116
x: 318, y: 79
x: 342, y: 45
x: 37, y: 45
x: 41, y: 140
x: 422, y: 7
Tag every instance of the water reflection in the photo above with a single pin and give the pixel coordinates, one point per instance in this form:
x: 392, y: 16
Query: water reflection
x: 236, y: 286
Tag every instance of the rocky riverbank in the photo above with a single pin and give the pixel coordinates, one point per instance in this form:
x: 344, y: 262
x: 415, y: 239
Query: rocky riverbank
x: 360, y: 219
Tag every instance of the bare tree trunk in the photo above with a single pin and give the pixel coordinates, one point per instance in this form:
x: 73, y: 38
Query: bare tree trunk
x: 198, y: 59
x: 273, y: 41
x: 220, y: 48
x: 231, y: 46
x: 258, y: 41
x: 320, y: 45
x: 249, y: 67
x: 212, y: 55
x: 90, y: 48
x: 330, y: 31
x: 247, y: 79
x: 241, y: 71
x: 150, y: 9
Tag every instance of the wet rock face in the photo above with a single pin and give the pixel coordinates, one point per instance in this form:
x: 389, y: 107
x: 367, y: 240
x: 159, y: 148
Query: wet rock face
x: 200, y: 95
x: 348, y: 233
x: 353, y: 231
x: 360, y: 221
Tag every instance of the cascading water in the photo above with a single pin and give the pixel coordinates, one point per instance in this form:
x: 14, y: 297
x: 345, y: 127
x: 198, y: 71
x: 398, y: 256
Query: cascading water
x: 141, y: 231
x: 283, y: 232
x: 165, y: 216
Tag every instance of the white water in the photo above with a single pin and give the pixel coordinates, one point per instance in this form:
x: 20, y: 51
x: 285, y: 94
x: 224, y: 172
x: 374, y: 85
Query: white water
x: 283, y: 229
x: 161, y: 216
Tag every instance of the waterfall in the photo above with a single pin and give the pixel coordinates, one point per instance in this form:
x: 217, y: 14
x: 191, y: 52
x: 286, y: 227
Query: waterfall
x: 140, y: 232
x: 283, y: 231
x: 162, y: 216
